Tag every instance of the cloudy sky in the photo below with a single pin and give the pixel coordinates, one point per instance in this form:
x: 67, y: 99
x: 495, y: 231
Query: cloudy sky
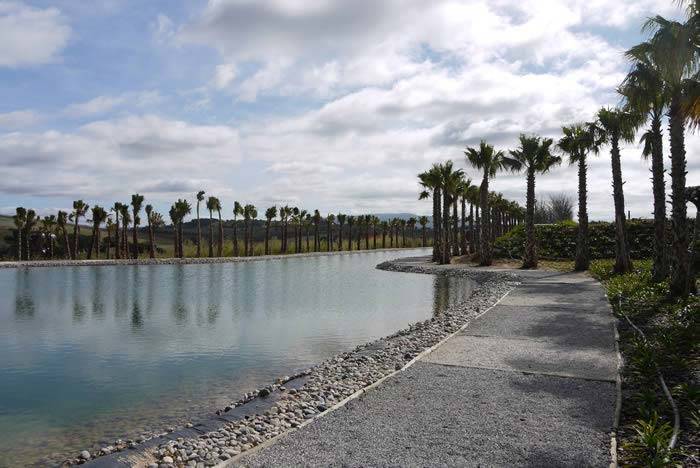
x: 327, y: 104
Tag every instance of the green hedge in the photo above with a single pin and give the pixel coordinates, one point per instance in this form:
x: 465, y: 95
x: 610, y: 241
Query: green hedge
x: 558, y: 241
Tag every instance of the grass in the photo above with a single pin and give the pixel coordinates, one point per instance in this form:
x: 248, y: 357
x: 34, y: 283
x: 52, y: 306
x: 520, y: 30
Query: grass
x: 672, y: 346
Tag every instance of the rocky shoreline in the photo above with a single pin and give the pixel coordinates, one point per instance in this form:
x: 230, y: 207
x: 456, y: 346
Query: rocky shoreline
x: 184, y: 261
x: 321, y: 388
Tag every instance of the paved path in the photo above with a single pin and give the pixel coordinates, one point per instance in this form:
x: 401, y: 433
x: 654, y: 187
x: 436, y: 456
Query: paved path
x: 529, y: 383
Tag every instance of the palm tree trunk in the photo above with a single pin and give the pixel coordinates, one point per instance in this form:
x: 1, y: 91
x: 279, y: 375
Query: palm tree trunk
x: 485, y: 235
x: 134, y: 234
x: 582, y: 249
x: 623, y: 264
x: 220, y: 249
x: 472, y: 236
x: 679, y: 285
x: 92, y: 242
x: 660, y: 269
x: 181, y: 240
x: 530, y: 256
x: 437, y: 235
x: 151, y: 239
x: 374, y: 236
x: 446, y: 248
x: 455, y: 228
x: 423, y: 235
x: 176, y: 247
x: 463, y: 227
x: 340, y: 238
x: 236, y: 252
x: 19, y: 244
x: 211, y: 234
x: 350, y: 237
x: 76, y: 238
x: 329, y: 228
x: 267, y: 237
x: 199, y: 233
x: 117, y: 254
x: 694, y: 253
x: 97, y: 244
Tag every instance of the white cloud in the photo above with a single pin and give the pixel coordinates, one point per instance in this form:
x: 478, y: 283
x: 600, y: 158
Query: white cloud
x: 104, y: 104
x: 225, y: 74
x: 31, y: 36
x: 163, y: 29
x: 19, y: 119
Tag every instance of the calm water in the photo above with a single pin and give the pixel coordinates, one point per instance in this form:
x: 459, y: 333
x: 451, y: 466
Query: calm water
x: 90, y: 354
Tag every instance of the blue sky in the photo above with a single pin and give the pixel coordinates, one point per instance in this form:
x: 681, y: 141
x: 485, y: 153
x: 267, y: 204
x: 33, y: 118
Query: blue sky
x: 320, y: 103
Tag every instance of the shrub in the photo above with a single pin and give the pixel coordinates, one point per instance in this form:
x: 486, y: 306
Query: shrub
x: 558, y: 241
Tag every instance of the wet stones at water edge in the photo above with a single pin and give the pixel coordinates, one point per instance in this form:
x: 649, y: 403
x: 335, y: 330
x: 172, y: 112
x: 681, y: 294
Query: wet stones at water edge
x: 330, y: 382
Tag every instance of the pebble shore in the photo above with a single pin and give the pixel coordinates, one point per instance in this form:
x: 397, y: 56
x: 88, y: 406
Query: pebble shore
x: 326, y: 385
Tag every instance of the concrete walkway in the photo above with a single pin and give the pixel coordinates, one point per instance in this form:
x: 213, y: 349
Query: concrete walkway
x: 529, y: 383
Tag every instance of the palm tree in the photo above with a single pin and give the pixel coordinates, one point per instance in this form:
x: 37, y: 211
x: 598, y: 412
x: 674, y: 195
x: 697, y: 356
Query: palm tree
x: 375, y: 222
x: 473, y: 197
x: 212, y: 203
x: 463, y: 194
x: 237, y: 211
x: 360, y: 220
x: 126, y: 219
x: 644, y: 94
x: 110, y: 229
x: 252, y: 215
x: 411, y: 223
x: 200, y: 199
x: 330, y: 222
x: 62, y: 225
x: 184, y: 208
x: 29, y: 224
x: 174, y: 218
x: 136, y: 203
x: 317, y: 238
x: 307, y: 225
x: 270, y: 214
x: 79, y: 210
x: 431, y: 182
x: 341, y: 222
x: 423, y: 221
x: 48, y: 225
x: 578, y: 141
x: 616, y: 125
x: 535, y: 156
x: 20, y: 218
x: 300, y: 217
x: 155, y: 220
x: 490, y: 162
x: 384, y: 227
x: 220, y: 246
x: 450, y: 183
x: 99, y: 215
x: 351, y: 221
x: 117, y: 209
x: 672, y: 47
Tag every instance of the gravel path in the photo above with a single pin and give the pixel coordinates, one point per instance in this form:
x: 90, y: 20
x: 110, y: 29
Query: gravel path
x: 530, y: 383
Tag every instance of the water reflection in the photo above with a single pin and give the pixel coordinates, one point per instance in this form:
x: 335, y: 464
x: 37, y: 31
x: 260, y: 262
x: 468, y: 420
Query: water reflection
x: 103, y: 344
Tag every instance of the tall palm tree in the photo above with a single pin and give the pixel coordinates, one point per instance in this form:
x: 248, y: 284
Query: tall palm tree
x: 490, y: 162
x: 330, y: 222
x: 431, y: 181
x: 136, y: 204
x: 19, y: 219
x: 184, y: 208
x: 351, y: 221
x: 29, y: 225
x: 474, y: 198
x: 534, y: 155
x: 673, y: 48
x: 174, y: 218
x: 117, y: 209
x: 62, y: 225
x: 110, y: 230
x: 341, y: 222
x: 384, y: 226
x: 360, y: 220
x: 237, y: 211
x: 578, y: 141
x: 270, y: 214
x: 220, y: 245
x: 423, y: 221
x: 79, y: 210
x: 200, y: 199
x: 48, y: 225
x: 375, y: 222
x: 463, y: 194
x: 616, y: 125
x: 284, y: 218
x: 253, y: 214
x: 99, y: 215
x: 212, y: 203
x: 644, y: 93
x: 155, y: 220
x: 411, y: 223
x: 301, y: 216
x: 307, y: 224
x: 126, y: 219
x: 317, y: 238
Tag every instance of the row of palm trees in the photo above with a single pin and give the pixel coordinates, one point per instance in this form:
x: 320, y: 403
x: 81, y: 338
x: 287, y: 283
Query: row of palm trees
x: 294, y: 225
x: 448, y: 187
x: 664, y: 80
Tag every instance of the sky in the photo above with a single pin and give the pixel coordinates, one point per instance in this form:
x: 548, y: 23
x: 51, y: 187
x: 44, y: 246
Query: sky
x: 325, y: 104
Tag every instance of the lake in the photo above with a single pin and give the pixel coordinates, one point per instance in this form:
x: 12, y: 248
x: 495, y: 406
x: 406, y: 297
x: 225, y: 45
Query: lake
x: 91, y: 354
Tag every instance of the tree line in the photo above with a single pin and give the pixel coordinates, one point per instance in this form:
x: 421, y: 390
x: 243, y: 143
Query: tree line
x: 299, y: 230
x: 663, y: 81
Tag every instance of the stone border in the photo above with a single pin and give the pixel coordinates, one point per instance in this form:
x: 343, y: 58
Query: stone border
x: 188, y: 260
x: 237, y: 429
